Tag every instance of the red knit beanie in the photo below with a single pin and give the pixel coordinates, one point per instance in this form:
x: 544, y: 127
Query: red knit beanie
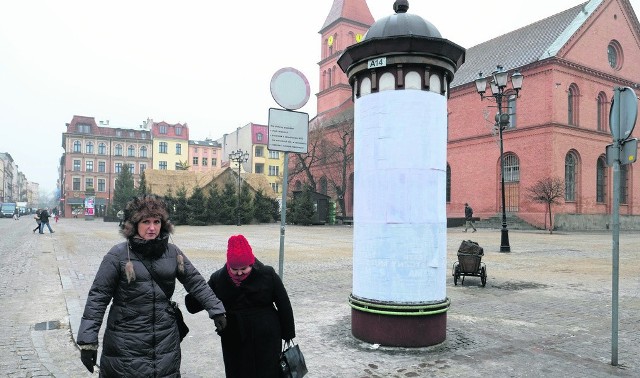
x: 239, y: 253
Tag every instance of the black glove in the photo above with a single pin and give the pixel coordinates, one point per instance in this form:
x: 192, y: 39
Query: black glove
x: 192, y: 304
x: 220, y: 321
x: 89, y: 358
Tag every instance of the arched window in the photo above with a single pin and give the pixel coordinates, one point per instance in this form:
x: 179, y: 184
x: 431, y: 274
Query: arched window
x: 89, y: 148
x: 448, y: 183
x: 602, y: 112
x: 118, y: 150
x: 570, y: 168
x: 434, y: 83
x: 624, y: 183
x: 323, y: 185
x: 601, y: 180
x: 131, y: 151
x: 572, y: 105
x: 102, y: 149
x: 412, y: 80
x: 387, y: 82
x: 77, y: 146
x: 365, y: 87
x: 511, y: 168
x: 143, y: 151
x: 614, y: 53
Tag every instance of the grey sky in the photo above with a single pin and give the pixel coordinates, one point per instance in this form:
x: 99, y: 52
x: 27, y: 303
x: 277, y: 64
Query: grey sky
x: 205, y: 63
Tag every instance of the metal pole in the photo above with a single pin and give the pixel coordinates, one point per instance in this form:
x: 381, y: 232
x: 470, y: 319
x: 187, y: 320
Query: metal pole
x: 238, y: 196
x: 504, y: 233
x: 615, y: 215
x: 283, y: 214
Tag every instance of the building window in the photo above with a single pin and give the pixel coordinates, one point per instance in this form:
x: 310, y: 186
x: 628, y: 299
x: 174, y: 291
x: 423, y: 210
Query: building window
x: 76, y: 165
x: 118, y: 167
x: 132, y: 168
x: 89, y: 166
x: 511, y: 168
x: 143, y: 151
x: 259, y: 137
x: 214, y: 162
x: 614, y: 54
x: 88, y: 183
x: 274, y: 170
x: 164, y: 147
x: 143, y: 167
x: 102, y: 149
x: 102, y: 166
x: 259, y: 152
x: 101, y: 185
x: 119, y: 133
x: 448, y: 183
x: 601, y: 180
x: 602, y: 112
x: 572, y: 105
x: 163, y: 129
x: 178, y: 166
x: 195, y: 150
x: 178, y: 149
x: 205, y: 161
x: 143, y: 135
x: 178, y: 130
x: 275, y: 187
x: 511, y: 109
x: 131, y: 151
x: 118, y: 150
x: 570, y: 167
x: 132, y: 134
x: 162, y: 165
x: 83, y: 128
x: 624, y: 183
x: 274, y: 154
x: 323, y: 185
x: 259, y: 168
x: 195, y: 161
x: 77, y: 146
x: 76, y: 183
x: 89, y: 148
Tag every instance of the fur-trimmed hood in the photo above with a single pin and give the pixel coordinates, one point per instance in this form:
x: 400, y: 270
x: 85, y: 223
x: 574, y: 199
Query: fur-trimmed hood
x: 143, y: 207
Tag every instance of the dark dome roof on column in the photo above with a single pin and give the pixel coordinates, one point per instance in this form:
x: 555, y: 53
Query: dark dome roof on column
x: 402, y: 23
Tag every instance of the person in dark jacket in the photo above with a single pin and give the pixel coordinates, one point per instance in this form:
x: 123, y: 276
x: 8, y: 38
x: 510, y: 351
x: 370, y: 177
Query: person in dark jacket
x: 259, y: 313
x: 141, y: 338
x: 44, y: 221
x: 468, y: 218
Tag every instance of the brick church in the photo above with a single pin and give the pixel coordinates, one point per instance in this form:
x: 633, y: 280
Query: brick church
x: 558, y: 126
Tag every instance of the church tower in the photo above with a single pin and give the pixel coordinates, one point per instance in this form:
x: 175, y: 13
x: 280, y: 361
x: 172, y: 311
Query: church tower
x: 346, y: 24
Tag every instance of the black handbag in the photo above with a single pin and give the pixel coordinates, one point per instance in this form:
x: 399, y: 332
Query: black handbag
x: 183, y: 329
x: 292, y: 364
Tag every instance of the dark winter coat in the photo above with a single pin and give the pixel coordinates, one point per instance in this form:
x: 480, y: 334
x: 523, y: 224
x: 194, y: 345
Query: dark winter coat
x: 141, y: 336
x: 468, y: 213
x: 252, y: 340
x: 44, y: 216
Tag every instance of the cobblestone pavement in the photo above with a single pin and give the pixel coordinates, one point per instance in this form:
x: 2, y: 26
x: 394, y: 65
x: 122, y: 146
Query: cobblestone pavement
x: 545, y: 311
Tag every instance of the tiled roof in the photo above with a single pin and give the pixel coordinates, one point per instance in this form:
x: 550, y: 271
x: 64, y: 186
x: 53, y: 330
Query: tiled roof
x: 529, y: 44
x: 351, y: 10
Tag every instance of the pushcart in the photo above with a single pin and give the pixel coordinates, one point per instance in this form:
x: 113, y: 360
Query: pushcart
x: 469, y: 263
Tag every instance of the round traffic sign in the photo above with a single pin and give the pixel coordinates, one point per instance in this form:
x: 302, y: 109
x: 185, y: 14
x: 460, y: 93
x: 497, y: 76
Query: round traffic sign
x: 290, y: 88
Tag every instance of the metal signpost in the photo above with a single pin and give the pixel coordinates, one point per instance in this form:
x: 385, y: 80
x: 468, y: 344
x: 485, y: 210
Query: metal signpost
x: 622, y: 120
x: 288, y: 131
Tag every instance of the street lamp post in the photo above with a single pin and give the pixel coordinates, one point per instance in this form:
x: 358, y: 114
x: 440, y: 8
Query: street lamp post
x: 238, y: 157
x: 498, y: 94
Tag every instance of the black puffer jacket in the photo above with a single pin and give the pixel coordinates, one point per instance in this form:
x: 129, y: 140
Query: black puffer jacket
x: 141, y: 337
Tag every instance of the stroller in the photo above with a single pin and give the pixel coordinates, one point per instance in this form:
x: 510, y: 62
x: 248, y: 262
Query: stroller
x: 469, y: 263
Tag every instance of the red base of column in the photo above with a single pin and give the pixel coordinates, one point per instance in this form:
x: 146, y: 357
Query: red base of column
x: 413, y: 330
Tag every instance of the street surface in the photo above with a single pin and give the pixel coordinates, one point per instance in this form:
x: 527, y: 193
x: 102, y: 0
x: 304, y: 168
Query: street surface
x: 545, y: 311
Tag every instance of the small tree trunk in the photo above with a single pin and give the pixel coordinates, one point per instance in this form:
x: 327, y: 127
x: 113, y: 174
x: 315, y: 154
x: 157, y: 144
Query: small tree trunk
x: 550, y: 217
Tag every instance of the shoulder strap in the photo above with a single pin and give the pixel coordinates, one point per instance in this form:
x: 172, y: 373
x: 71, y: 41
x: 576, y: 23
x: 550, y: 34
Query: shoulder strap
x: 152, y: 272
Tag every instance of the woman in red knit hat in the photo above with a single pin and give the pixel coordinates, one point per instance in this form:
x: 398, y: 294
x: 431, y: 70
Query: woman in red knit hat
x: 259, y: 313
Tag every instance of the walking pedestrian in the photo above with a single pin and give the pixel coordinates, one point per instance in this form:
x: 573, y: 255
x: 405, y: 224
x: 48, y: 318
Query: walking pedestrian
x: 468, y: 218
x: 44, y: 221
x: 37, y: 218
x: 141, y: 338
x: 259, y: 313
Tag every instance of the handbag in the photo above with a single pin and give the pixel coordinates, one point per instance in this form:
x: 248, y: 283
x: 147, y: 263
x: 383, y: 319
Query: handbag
x: 292, y: 364
x: 183, y: 329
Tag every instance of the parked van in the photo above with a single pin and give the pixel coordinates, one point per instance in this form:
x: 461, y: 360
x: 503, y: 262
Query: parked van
x: 7, y: 209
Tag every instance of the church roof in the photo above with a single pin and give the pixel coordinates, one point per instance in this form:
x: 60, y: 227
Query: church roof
x: 349, y: 10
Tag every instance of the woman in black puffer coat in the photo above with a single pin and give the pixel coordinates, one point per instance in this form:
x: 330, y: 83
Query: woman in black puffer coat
x: 141, y: 338
x: 259, y: 313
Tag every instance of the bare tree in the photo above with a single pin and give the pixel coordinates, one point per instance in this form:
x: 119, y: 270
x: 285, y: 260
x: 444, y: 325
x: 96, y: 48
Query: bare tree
x: 338, y: 157
x: 304, y: 164
x: 548, y: 191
